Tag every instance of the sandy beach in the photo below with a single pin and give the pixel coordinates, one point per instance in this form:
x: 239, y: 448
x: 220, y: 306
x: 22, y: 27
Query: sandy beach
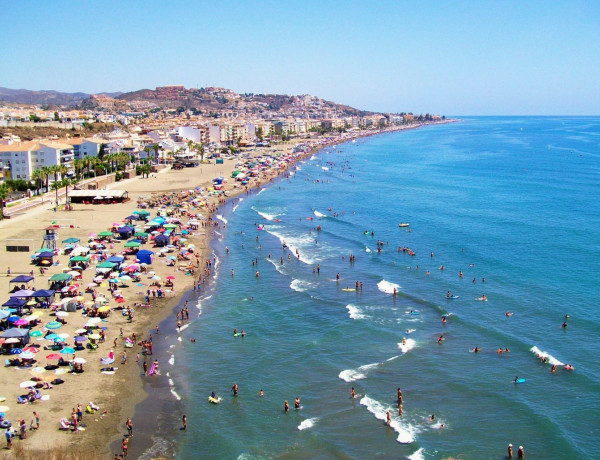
x: 115, y: 393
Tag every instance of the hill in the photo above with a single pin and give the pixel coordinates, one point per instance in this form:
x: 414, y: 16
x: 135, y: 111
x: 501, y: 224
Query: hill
x: 44, y: 97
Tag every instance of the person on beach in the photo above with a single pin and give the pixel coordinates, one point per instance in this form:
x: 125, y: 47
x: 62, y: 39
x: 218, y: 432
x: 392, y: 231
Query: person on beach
x: 36, y: 419
x: 399, y: 396
x: 124, y: 446
x: 129, y: 425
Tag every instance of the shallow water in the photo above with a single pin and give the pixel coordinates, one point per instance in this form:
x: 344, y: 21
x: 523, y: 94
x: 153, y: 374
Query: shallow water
x: 512, y: 200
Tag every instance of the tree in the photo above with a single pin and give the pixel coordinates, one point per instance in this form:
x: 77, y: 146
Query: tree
x: 56, y: 117
x: 37, y: 176
x: 5, y: 191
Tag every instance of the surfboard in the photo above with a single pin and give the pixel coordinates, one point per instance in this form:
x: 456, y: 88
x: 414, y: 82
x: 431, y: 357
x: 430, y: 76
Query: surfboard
x: 519, y: 381
x: 216, y: 400
x: 452, y: 297
x: 348, y: 289
x: 413, y: 313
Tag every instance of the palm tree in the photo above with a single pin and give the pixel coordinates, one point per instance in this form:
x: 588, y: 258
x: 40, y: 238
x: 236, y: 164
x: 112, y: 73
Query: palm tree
x: 46, y: 175
x: 38, y: 179
x: 5, y: 191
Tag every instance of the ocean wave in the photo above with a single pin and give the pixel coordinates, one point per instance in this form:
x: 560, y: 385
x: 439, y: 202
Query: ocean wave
x: 278, y: 266
x: 324, y: 168
x: 184, y: 327
x: 367, y: 249
x: 387, y: 287
x: 406, y: 432
x: 308, y: 423
x: 172, y: 388
x: 300, y: 285
x: 260, y: 191
x: 320, y: 214
x: 418, y: 455
x: 312, y: 158
x: 222, y: 219
x: 355, y: 312
x: 351, y: 375
x: 409, y: 345
x: 269, y: 214
x: 301, y: 244
x: 171, y: 360
x: 549, y: 358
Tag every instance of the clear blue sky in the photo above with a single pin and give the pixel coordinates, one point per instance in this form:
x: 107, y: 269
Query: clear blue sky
x: 448, y: 57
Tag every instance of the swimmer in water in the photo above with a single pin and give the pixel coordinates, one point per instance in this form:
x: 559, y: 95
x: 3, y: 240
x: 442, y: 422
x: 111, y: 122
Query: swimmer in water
x: 261, y: 392
x: 403, y: 340
x: 509, y: 313
x: 448, y: 294
x: 432, y: 418
x: 286, y: 406
x: 444, y: 319
x: 388, y: 418
x: 553, y: 369
x: 352, y: 393
x: 297, y: 403
x: 476, y: 350
x: 516, y: 378
x: 235, y: 389
x: 564, y: 325
x: 440, y: 339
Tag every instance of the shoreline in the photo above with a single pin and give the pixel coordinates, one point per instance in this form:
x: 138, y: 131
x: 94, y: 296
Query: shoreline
x: 162, y: 393
x: 124, y: 392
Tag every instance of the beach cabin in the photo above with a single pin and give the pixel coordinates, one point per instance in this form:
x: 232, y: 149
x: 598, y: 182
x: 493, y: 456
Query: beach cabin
x: 125, y: 232
x: 59, y: 281
x: 21, y: 336
x: 145, y: 256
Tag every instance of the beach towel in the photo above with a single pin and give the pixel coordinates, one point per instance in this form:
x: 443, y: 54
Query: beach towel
x: 153, y: 369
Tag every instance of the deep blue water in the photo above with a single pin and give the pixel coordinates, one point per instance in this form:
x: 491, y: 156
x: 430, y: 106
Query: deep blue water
x: 512, y: 200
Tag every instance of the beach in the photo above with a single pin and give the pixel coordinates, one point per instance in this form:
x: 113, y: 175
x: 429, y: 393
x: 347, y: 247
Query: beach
x: 115, y: 393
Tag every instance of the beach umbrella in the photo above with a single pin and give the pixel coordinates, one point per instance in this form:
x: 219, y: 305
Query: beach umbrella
x: 53, y: 325
x: 4, y: 314
x: 21, y: 322
x: 170, y: 277
x: 27, y: 384
x: 52, y: 336
x: 32, y: 349
x: 27, y: 355
x: 80, y: 338
x: 120, y: 300
x: 4, y: 408
x: 94, y: 320
x: 126, y: 278
x: 64, y: 335
x: 53, y: 356
x: 14, y: 351
x: 67, y: 351
x: 94, y: 336
x: 156, y: 278
x: 62, y: 314
x: 81, y: 331
x: 36, y: 333
x: 79, y: 361
x: 59, y: 340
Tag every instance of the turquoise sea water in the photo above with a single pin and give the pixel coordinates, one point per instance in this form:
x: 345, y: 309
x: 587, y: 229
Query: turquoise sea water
x: 512, y: 200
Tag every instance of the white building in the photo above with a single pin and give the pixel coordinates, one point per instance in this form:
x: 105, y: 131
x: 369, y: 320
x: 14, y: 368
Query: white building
x: 22, y: 158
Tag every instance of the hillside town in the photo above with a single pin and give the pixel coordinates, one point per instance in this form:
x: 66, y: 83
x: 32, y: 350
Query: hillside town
x: 170, y: 125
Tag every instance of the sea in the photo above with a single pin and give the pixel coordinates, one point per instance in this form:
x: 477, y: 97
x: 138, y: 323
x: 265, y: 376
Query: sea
x: 502, y: 207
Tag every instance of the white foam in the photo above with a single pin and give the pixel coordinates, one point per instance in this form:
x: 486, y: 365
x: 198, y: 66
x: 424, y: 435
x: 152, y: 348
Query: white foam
x: 406, y: 432
x: 549, y: 358
x: 324, y: 168
x: 185, y: 326
x: 301, y: 243
x: 354, y: 312
x: 278, y: 266
x: 221, y: 218
x: 179, y: 339
x: 262, y: 190
x: 308, y: 423
x: 409, y: 345
x: 269, y: 214
x: 351, y: 375
x: 367, y: 249
x: 387, y: 287
x: 172, y: 360
x: 418, y: 455
x: 320, y: 214
x: 172, y: 388
x: 300, y: 285
x: 312, y: 158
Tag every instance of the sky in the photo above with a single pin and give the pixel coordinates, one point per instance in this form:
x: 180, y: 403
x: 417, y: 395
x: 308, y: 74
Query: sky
x: 456, y: 57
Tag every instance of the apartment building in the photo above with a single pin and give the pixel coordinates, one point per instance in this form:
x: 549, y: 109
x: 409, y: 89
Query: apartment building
x: 22, y: 158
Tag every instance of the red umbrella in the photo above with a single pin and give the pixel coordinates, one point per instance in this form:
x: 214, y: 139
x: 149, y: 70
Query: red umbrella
x: 120, y: 300
x: 32, y: 349
x: 170, y: 277
x: 53, y: 356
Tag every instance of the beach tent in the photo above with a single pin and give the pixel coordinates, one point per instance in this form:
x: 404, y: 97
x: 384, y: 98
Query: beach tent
x: 106, y: 264
x: 23, y: 293
x: 71, y: 241
x: 105, y: 234
x: 22, y: 279
x: 145, y: 256
x: 60, y: 277
x: 125, y: 231
x: 43, y: 293
x: 116, y: 259
x: 17, y: 333
x: 132, y: 244
x: 161, y: 240
x: 15, y: 302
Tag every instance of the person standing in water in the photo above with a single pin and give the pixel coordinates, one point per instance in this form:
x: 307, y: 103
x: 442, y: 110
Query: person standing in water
x: 235, y: 389
x: 510, y: 451
x: 388, y: 418
x: 286, y: 406
x: 297, y: 403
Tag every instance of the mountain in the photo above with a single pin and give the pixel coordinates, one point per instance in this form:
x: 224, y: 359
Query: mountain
x: 44, y: 97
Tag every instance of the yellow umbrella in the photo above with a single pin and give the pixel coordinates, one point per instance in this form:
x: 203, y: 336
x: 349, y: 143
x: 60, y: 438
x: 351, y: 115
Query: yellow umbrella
x: 103, y: 309
x: 31, y: 303
x: 79, y: 298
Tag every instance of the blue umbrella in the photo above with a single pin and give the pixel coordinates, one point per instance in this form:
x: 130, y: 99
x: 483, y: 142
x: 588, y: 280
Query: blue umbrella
x: 53, y: 325
x: 4, y: 314
x: 59, y: 340
x: 52, y: 336
x: 16, y: 351
x: 67, y: 351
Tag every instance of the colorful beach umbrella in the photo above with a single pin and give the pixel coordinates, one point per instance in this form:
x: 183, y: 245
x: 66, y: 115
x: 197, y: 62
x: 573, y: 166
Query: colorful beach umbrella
x: 53, y: 325
x: 52, y: 336
x: 21, y: 322
x: 27, y: 355
x: 67, y: 351
x: 53, y: 356
x: 27, y: 384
